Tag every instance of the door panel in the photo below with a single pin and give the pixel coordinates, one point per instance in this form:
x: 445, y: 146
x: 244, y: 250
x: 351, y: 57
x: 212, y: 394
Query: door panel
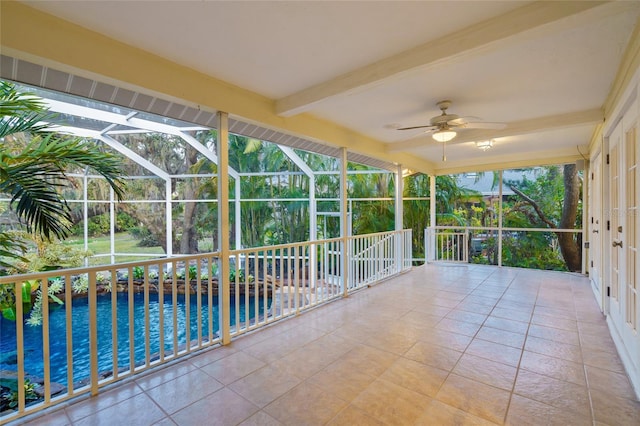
x: 623, y: 237
x: 595, y: 239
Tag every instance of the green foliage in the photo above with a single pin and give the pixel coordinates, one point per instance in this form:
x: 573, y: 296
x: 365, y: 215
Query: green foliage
x: 99, y: 225
x: 144, y: 236
x: 12, y: 384
x: 33, y: 163
x: 138, y: 273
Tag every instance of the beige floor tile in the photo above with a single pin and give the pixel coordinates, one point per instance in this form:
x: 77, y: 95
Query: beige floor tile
x: 486, y: 371
x: 511, y: 314
x: 553, y: 367
x: 479, y: 299
x: 554, y: 349
x: 612, y: 410
x: 391, y: 404
x: 433, y: 355
x: 223, y: 407
x: 559, y: 313
x: 495, y: 352
x: 315, y: 356
x: 369, y: 360
x: 184, y: 390
x: 165, y: 422
x: 55, y: 418
x: 613, y: 383
x: 506, y: 324
x: 233, y: 367
x: 260, y: 419
x: 603, y: 359
x: 466, y: 316
x: 274, y: 349
x: 208, y: 356
x: 439, y: 413
x: 415, y: 376
x: 139, y: 410
x: 555, y: 322
x: 421, y: 319
x: 470, y: 306
x: 265, y: 385
x: 555, y: 334
x: 342, y: 380
x: 558, y: 393
x: 306, y: 404
x: 446, y: 339
x: 94, y: 404
x: 352, y: 416
x: 460, y: 327
x: 474, y: 397
x: 165, y: 375
x: 527, y: 412
x: 503, y: 337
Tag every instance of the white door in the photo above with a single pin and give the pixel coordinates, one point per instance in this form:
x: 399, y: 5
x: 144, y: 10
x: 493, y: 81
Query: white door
x: 595, y: 227
x: 623, y: 235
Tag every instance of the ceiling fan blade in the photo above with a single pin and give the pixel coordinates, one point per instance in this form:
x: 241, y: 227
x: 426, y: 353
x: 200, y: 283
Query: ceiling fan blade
x: 485, y: 125
x: 461, y: 121
x: 428, y: 127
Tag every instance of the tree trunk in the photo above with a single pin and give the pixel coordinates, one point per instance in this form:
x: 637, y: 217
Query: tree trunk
x: 189, y: 239
x: 568, y: 245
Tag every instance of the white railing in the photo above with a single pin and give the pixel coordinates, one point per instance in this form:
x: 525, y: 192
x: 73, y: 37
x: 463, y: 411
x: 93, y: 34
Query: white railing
x: 375, y: 257
x: 115, y: 321
x: 488, y: 245
x: 447, y: 244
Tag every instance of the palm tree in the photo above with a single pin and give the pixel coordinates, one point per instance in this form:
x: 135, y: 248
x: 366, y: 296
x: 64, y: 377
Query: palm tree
x: 33, y: 163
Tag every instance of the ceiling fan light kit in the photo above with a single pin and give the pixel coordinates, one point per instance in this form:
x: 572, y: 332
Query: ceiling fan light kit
x: 444, y: 135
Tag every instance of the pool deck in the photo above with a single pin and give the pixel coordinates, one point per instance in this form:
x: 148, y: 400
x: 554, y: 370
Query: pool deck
x: 440, y: 345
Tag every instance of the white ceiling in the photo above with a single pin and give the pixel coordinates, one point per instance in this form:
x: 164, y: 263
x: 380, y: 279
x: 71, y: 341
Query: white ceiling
x: 523, y: 68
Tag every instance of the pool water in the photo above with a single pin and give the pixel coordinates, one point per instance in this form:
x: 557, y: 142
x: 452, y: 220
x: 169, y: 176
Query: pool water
x: 80, y: 339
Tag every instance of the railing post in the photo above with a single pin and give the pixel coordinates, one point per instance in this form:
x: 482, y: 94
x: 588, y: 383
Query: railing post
x: 224, y: 301
x: 344, y: 233
x: 93, y: 333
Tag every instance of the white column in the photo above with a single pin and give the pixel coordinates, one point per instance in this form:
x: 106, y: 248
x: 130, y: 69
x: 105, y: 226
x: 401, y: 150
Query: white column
x: 168, y: 217
x: 238, y: 212
x: 399, y: 217
x: 431, y: 244
x: 222, y: 146
x: 500, y: 221
x: 85, y: 213
x: 344, y: 231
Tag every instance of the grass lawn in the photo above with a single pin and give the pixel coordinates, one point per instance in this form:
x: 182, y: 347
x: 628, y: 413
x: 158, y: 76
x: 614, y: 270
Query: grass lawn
x: 124, y: 242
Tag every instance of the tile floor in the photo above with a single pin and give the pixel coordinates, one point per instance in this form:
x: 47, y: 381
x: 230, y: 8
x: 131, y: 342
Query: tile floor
x: 440, y: 345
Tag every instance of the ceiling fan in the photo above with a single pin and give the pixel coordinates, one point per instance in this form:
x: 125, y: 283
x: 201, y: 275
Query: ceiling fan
x: 443, y: 127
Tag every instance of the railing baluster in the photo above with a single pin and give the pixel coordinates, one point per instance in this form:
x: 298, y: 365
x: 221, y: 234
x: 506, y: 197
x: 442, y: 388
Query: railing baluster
x: 132, y: 335
x: 114, y: 323
x: 20, y: 345
x: 199, y: 300
x: 45, y: 341
x: 236, y: 292
x: 147, y: 322
x: 162, y: 268
x: 69, y: 332
x: 187, y: 304
x: 174, y: 308
x: 93, y: 333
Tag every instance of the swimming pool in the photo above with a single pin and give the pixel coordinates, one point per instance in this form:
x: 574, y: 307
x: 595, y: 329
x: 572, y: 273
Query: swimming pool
x: 80, y: 339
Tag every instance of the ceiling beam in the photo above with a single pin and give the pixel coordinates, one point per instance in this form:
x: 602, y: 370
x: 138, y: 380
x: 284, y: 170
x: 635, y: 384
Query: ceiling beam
x: 551, y: 122
x: 475, y: 37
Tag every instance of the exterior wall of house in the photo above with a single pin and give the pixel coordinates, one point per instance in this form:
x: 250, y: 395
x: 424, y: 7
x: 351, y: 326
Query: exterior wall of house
x: 613, y: 223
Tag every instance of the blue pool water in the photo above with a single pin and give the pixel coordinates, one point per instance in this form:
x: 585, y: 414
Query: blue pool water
x: 80, y: 338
